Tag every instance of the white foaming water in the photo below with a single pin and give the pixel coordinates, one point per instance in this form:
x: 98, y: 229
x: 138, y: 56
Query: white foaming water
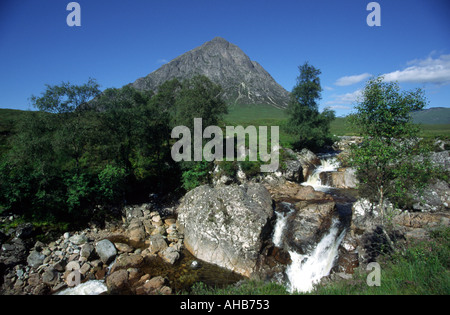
x: 280, y: 225
x: 306, y: 270
x: 92, y: 287
x: 327, y: 165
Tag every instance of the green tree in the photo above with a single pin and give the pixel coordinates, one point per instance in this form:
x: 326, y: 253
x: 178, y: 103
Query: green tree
x: 387, y: 161
x: 311, y: 128
x: 199, y: 97
x: 42, y: 173
x: 69, y: 115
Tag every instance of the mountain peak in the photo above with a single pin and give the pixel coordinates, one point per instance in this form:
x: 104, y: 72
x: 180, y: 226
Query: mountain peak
x: 219, y: 39
x: 244, y: 81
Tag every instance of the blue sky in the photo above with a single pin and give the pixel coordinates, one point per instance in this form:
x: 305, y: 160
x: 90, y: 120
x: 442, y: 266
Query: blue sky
x: 120, y: 41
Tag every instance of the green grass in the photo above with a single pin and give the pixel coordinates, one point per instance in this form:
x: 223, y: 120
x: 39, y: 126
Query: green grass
x: 259, y: 115
x: 254, y: 114
x: 267, y: 115
x: 246, y: 287
x: 341, y: 127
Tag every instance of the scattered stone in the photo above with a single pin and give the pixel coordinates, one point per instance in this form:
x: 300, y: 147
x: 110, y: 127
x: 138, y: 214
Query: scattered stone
x: 106, y: 251
x: 170, y: 255
x: 124, y: 248
x: 117, y: 281
x: 79, y: 239
x: 126, y: 261
x: 85, y: 268
x: 50, y: 276
x: 157, y: 243
x: 35, y: 259
x: 87, y: 250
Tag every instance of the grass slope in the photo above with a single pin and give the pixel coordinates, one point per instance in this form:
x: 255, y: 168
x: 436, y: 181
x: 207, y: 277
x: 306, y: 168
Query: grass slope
x: 432, y: 116
x: 267, y: 115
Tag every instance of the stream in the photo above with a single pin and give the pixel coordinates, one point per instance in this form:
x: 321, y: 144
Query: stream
x: 304, y: 271
x: 308, y: 269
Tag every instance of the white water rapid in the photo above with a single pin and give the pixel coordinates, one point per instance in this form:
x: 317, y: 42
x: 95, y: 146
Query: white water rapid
x: 306, y: 270
x: 281, y: 224
x: 328, y: 163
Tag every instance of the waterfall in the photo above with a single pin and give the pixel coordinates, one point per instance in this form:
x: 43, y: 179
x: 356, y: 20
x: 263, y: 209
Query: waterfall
x: 328, y: 163
x: 307, y: 270
x: 281, y: 223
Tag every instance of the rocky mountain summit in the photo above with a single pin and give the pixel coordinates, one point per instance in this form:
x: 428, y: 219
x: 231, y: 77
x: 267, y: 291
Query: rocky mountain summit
x: 244, y: 81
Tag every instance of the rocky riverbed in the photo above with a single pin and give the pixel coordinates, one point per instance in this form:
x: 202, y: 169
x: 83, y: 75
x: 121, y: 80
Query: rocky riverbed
x: 219, y: 234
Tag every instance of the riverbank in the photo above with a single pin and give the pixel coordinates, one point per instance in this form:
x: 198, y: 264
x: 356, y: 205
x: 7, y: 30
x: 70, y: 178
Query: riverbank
x: 269, y: 233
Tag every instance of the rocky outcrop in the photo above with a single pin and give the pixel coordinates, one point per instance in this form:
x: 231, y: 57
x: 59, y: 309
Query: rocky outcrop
x: 226, y: 225
x: 344, y: 177
x: 244, y: 81
x: 290, y: 191
x: 435, y: 197
x: 309, y: 223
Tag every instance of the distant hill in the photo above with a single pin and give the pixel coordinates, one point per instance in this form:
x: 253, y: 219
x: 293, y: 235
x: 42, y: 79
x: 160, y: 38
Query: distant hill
x: 244, y: 81
x: 432, y: 116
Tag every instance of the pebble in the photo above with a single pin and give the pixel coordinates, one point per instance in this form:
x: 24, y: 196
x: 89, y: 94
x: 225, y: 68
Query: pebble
x: 71, y: 251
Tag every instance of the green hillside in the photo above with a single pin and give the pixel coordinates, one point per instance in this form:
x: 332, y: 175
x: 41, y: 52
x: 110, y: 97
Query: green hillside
x: 432, y: 116
x: 434, y: 121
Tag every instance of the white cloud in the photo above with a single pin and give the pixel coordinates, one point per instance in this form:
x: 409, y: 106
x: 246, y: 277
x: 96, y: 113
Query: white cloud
x: 339, y: 107
x: 429, y: 70
x: 352, y: 79
x: 345, y: 99
x: 162, y: 61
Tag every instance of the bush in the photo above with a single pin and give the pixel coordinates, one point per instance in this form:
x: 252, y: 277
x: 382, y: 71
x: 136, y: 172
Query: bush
x: 112, y: 183
x: 196, y: 174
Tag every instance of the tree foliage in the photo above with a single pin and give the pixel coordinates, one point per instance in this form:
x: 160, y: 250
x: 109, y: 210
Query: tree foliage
x: 85, y: 148
x: 391, y: 159
x: 311, y: 127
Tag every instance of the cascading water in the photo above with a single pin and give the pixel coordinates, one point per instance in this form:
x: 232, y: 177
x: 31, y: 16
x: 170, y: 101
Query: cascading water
x: 307, y: 270
x: 282, y: 218
x: 328, y: 163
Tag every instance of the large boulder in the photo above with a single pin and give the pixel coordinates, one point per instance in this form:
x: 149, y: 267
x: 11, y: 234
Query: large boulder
x: 227, y: 225
x: 303, y: 164
x: 106, y: 251
x: 344, y: 177
x: 290, y: 191
x: 309, y: 223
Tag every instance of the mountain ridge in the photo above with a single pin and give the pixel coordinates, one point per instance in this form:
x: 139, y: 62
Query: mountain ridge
x: 243, y: 80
